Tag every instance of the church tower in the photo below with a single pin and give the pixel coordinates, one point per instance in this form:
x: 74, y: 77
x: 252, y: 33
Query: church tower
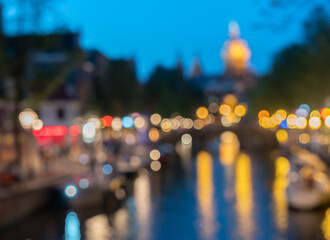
x: 236, y: 53
x: 196, y: 70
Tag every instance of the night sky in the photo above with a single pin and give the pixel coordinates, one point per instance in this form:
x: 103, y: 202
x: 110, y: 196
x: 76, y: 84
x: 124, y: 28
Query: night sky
x: 158, y: 32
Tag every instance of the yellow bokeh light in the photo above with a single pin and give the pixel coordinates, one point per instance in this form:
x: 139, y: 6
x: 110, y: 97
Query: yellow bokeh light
x: 202, y: 112
x: 282, y: 168
x: 291, y: 120
x: 326, y: 225
x: 244, y: 197
x: 240, y: 110
x: 263, y: 113
x: 315, y: 122
x: 155, y: 119
x: 315, y: 113
x: 153, y: 134
x: 204, y: 191
x: 304, y: 138
x: 282, y: 136
x: 166, y: 125
x: 228, y: 148
x: 281, y: 114
x: 225, y: 109
x: 230, y: 99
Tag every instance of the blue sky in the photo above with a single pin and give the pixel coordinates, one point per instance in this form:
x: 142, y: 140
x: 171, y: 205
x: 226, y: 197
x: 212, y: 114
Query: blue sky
x: 157, y: 32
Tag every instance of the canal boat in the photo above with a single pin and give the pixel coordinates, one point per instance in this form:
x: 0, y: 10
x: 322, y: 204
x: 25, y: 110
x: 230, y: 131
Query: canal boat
x: 309, y: 182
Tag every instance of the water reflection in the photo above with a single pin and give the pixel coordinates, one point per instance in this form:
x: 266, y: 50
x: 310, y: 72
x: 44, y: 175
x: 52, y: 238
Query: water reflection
x: 143, y: 205
x: 244, y: 197
x: 206, y: 208
x: 282, y: 168
x: 121, y: 223
x: 326, y: 225
x: 72, y: 227
x: 97, y: 228
x: 228, y: 148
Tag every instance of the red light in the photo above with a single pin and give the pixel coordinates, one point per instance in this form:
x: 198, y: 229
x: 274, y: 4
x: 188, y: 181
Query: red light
x: 50, y: 131
x: 74, y: 130
x: 107, y: 120
x: 325, y: 112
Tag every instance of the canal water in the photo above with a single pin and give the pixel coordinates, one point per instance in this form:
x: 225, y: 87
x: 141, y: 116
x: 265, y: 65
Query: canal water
x: 215, y: 193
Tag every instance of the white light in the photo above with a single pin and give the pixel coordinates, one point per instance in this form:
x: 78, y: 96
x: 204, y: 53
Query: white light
x: 37, y: 124
x: 186, y: 139
x: 71, y: 191
x: 83, y: 158
x: 327, y: 121
x: 84, y: 183
x: 154, y: 154
x: 89, y: 130
x: 116, y: 124
x: 155, y: 166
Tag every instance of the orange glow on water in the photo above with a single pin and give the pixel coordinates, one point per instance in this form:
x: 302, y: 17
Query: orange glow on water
x: 205, y: 195
x: 282, y: 168
x: 244, y: 197
x: 228, y: 148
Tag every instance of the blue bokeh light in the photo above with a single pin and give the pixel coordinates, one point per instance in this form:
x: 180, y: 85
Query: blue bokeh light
x: 107, y: 169
x: 128, y: 122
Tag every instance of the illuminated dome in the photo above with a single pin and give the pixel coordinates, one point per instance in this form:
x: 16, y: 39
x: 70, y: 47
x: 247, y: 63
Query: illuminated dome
x: 235, y: 52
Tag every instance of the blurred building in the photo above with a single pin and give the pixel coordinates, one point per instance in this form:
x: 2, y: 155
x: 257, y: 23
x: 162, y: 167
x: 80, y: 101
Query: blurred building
x: 56, y: 74
x: 237, y: 77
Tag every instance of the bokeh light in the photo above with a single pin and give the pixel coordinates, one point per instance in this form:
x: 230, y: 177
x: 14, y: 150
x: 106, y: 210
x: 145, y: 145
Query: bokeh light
x: 155, y: 166
x: 107, y: 169
x: 327, y: 122
x: 202, y: 112
x: 304, y: 138
x: 127, y: 122
x: 154, y: 154
x: 107, y: 121
x: 240, y: 110
x: 225, y: 109
x: 140, y: 123
x: 153, y: 134
x: 37, y: 124
x: 263, y: 113
x: 70, y: 191
x: 74, y: 130
x: 83, y: 183
x: 282, y: 136
x: 166, y: 125
x: 89, y: 130
x: 186, y: 139
x: 155, y: 119
x: 116, y: 124
x: 314, y: 123
x: 301, y: 122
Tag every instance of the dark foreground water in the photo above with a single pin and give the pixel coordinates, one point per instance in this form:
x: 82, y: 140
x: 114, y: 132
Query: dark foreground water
x: 203, y: 196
